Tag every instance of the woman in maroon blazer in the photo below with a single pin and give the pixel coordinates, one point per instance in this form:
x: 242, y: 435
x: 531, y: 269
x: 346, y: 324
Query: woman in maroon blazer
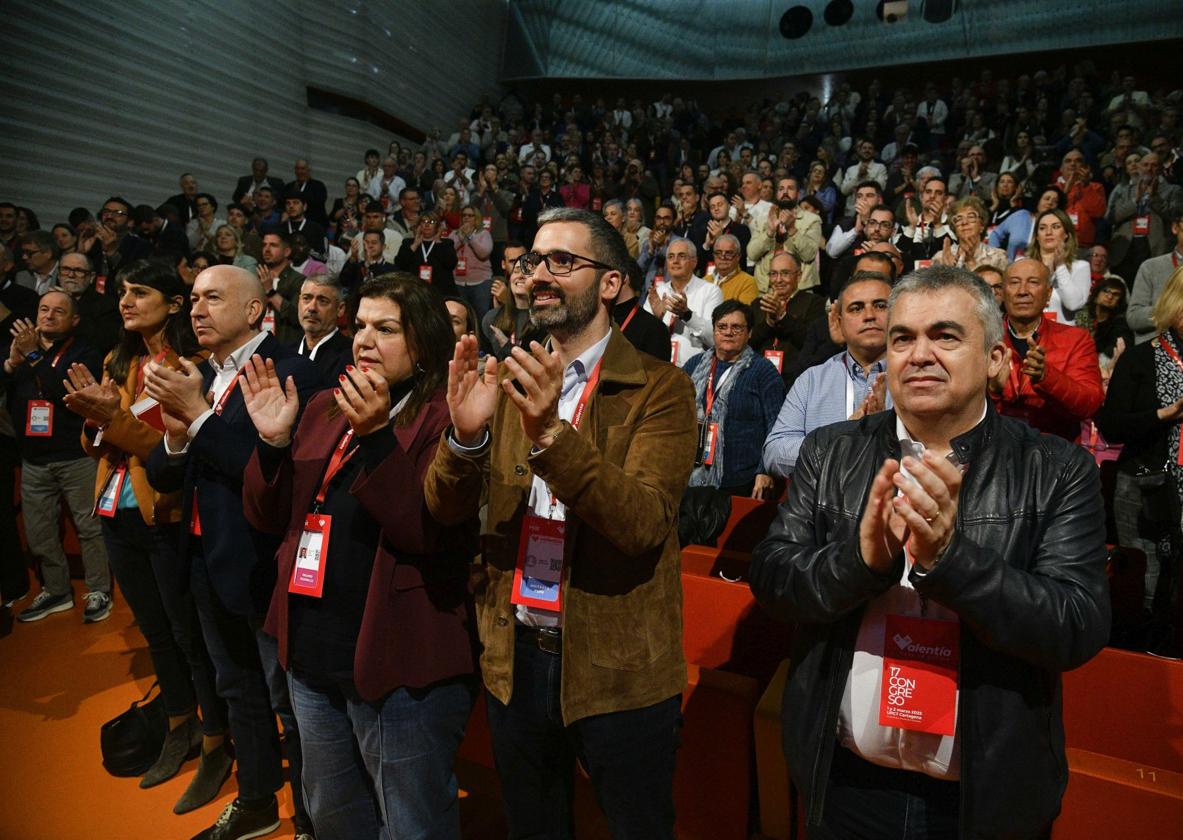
x: 370, y: 607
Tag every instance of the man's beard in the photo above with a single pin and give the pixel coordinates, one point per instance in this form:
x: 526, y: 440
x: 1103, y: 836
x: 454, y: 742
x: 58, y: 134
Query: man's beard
x: 570, y: 315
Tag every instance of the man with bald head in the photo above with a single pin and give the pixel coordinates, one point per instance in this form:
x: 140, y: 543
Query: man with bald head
x: 784, y: 314
x: 1051, y: 378
x: 208, y: 440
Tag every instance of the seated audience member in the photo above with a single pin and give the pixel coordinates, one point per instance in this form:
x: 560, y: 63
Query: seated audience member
x: 140, y: 527
x: 720, y: 224
x: 387, y: 187
x: 634, y: 217
x: 783, y: 314
x: 970, y: 250
x: 995, y: 278
x: 1141, y: 216
x: 66, y: 238
x: 299, y: 220
x: 733, y: 281
x: 427, y: 256
x: 754, y: 209
x: 1143, y: 412
x: 738, y: 393
x: 313, y: 193
x: 690, y: 220
x: 249, y: 185
x: 53, y: 465
x: 507, y: 325
x: 620, y: 676
x: 878, y: 228
x: 1051, y: 377
x: 791, y: 228
x: 185, y: 201
x: 345, y: 218
x: 1086, y: 197
x: 1104, y: 317
x: 99, y: 322
x: 374, y: 218
x: 230, y: 565
x: 865, y: 169
x: 166, y: 238
x: 927, y: 229
x: 267, y: 212
x: 461, y: 316
x: 405, y: 219
x: 1018, y: 229
x: 40, y: 252
x: 1053, y: 243
x: 1099, y: 267
x: 1150, y: 281
x: 201, y: 228
x: 973, y: 179
x: 684, y: 302
x: 473, y: 273
x: 347, y: 623
x: 849, y: 385
x: 367, y: 258
x: 885, y: 562
x: 644, y: 330
x: 228, y: 248
x: 651, y: 254
x: 302, y: 258
x: 371, y: 170
x: 321, y: 307
x: 1006, y: 199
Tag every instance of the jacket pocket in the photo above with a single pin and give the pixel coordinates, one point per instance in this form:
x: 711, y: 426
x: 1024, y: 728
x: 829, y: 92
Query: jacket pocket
x: 621, y: 635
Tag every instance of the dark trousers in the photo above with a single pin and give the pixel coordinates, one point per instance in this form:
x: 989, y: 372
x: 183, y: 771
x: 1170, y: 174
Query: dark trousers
x: 867, y: 802
x: 146, y: 567
x: 247, y: 670
x: 14, y: 566
x: 629, y: 756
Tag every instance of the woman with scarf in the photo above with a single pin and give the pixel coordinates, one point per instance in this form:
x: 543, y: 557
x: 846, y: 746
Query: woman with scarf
x: 739, y: 394
x: 1143, y: 411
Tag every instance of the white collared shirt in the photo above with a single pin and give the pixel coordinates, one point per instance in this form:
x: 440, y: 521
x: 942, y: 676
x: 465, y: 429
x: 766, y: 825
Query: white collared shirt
x: 859, y: 729
x: 315, y: 347
x: 224, y: 374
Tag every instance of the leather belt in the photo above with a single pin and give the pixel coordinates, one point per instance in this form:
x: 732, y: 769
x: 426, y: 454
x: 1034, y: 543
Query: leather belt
x: 548, y: 639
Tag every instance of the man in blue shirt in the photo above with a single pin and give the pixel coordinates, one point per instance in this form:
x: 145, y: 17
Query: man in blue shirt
x: 847, y: 385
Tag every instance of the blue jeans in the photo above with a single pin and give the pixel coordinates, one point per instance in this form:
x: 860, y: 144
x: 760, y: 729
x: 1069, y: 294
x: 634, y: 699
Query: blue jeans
x: 383, y: 768
x: 629, y: 756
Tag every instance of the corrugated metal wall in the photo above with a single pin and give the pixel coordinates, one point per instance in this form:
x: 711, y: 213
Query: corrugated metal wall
x: 99, y: 98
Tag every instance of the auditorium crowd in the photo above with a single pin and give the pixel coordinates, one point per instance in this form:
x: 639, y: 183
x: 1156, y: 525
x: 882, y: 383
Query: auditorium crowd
x: 277, y: 420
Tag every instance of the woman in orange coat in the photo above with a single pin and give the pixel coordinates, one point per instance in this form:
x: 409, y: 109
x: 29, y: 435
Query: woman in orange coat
x: 141, y: 526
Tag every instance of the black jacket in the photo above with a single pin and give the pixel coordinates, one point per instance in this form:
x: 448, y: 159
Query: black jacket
x: 1130, y: 413
x: 240, y: 560
x: 1025, y: 571
x: 331, y: 358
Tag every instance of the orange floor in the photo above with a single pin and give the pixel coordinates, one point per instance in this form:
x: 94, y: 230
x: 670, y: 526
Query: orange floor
x: 60, y: 680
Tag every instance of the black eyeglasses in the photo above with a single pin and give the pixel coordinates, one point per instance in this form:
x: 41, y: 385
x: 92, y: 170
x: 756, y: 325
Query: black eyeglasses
x: 558, y: 263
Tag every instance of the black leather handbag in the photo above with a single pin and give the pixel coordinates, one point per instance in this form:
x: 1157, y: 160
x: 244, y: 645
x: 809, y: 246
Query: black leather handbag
x: 131, y: 742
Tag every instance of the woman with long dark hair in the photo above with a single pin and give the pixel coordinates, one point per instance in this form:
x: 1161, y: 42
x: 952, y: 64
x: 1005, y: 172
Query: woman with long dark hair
x: 370, y: 606
x: 141, y: 526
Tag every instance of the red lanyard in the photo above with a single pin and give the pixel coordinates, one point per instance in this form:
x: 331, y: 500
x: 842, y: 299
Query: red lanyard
x: 226, y: 394
x: 61, y: 352
x: 336, y: 462
x: 629, y: 318
x: 586, y: 395
x: 1175, y: 258
x: 711, y: 386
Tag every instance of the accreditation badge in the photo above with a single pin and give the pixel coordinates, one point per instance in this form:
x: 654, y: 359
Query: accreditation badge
x: 425, y: 273
x: 538, y: 576
x: 108, y: 500
x: 39, y: 421
x: 777, y: 357
x: 311, y: 553
x: 919, y: 680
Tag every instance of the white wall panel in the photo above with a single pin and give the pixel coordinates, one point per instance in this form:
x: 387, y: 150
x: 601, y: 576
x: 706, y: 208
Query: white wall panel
x: 102, y: 98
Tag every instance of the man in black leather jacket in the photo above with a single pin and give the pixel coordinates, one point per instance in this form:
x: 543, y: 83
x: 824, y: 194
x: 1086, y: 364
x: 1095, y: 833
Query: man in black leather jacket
x: 969, y: 577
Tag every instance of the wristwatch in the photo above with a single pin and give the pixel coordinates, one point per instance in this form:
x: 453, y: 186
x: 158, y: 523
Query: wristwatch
x: 34, y: 356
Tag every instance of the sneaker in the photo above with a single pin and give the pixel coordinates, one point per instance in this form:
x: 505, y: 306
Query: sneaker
x: 98, y: 607
x: 240, y: 823
x: 45, y: 604
x: 9, y: 603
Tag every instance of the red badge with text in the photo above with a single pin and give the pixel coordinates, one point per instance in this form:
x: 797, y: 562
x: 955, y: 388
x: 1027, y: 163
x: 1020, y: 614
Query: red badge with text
x: 1075, y: 219
x: 100, y: 284
x: 269, y: 320
x: 711, y: 433
x: 487, y: 222
x: 923, y: 264
x: 308, y: 572
x: 919, y: 682
x: 538, y: 577
x: 1141, y: 225
x: 39, y: 422
x: 777, y: 357
x: 461, y: 267
x: 195, y: 519
x: 425, y: 273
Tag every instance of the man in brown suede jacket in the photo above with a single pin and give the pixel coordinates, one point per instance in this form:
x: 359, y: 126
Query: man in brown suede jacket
x: 584, y: 448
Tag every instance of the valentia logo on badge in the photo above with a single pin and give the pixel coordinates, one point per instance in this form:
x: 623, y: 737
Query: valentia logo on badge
x: 938, y: 654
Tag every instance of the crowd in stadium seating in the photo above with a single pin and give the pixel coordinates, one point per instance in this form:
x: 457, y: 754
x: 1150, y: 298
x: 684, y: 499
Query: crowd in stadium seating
x: 173, y: 367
